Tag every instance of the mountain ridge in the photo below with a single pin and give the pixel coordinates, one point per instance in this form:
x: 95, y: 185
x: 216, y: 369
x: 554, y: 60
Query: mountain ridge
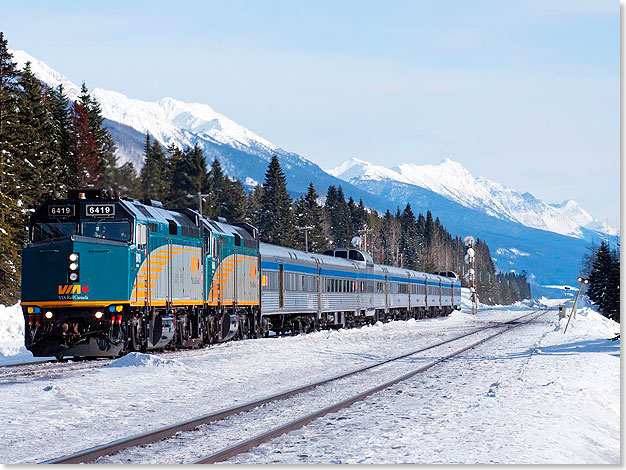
x: 453, y: 181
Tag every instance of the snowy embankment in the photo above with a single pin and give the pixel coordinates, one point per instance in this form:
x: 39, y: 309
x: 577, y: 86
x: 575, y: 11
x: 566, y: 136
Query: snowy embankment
x: 534, y: 395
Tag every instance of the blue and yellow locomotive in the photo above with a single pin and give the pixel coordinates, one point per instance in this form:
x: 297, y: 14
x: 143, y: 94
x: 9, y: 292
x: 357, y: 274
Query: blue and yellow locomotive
x: 104, y: 275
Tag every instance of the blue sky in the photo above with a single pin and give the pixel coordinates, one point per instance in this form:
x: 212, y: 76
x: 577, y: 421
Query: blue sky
x: 524, y: 93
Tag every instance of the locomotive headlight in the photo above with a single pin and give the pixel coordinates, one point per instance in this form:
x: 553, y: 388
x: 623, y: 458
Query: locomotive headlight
x: 73, y: 277
x: 73, y: 257
x: 48, y: 315
x: 73, y: 266
x: 98, y: 315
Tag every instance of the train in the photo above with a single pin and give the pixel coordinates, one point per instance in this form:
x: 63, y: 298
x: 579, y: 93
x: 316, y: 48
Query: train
x: 103, y: 275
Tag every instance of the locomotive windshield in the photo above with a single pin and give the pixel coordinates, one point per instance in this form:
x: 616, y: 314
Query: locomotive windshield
x: 48, y: 230
x: 117, y: 231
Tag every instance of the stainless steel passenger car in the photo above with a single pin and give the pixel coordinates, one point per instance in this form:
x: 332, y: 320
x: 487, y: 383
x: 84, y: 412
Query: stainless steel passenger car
x: 341, y: 288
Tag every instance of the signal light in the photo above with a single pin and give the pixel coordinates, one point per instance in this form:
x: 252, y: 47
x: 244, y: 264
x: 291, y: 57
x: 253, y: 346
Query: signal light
x: 30, y: 309
x: 119, y: 308
x: 73, y: 257
x: 73, y: 277
x: 111, y: 308
x: 73, y: 266
x: 37, y: 310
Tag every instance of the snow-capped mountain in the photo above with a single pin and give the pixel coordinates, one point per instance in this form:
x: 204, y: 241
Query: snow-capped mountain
x: 453, y: 181
x: 169, y: 120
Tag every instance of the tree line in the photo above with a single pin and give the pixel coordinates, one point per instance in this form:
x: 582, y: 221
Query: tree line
x: 49, y: 144
x: 602, y: 268
x: 179, y: 177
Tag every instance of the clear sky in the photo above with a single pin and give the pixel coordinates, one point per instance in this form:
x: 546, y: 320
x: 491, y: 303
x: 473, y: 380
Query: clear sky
x: 525, y: 93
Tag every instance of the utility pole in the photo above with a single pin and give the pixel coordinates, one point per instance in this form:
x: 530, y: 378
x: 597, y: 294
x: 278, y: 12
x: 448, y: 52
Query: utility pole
x: 582, y: 282
x: 306, y: 229
x: 364, y: 231
x: 199, y: 196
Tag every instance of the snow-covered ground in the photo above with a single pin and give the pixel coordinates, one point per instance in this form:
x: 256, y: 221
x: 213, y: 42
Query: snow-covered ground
x: 533, y: 395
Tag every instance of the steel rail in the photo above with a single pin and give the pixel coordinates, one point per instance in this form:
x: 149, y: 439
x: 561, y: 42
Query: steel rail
x: 93, y: 453
x: 246, y: 445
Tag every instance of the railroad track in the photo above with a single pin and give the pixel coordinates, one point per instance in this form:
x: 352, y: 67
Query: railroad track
x: 165, y: 433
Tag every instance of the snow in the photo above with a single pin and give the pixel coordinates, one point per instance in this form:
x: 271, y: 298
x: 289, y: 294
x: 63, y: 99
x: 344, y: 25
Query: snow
x: 11, y: 331
x: 533, y: 383
x: 12, y: 350
x: 136, y: 359
x: 453, y: 181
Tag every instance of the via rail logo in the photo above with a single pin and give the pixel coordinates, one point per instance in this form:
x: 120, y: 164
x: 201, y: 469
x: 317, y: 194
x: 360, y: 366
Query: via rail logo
x: 73, y: 292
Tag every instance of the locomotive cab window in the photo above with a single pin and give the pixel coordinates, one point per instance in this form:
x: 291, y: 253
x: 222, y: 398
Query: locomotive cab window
x: 173, y: 227
x: 47, y: 230
x: 117, y: 231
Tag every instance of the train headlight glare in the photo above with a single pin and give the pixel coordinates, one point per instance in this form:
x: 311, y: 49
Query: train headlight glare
x: 73, y: 276
x: 73, y: 266
x: 99, y: 315
x: 119, y: 308
x: 48, y: 315
x: 73, y: 257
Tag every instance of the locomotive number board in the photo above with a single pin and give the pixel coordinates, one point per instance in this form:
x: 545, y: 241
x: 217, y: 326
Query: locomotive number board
x: 100, y: 210
x: 61, y: 211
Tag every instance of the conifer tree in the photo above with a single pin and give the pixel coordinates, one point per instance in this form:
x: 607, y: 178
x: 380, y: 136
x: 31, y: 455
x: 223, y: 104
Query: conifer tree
x: 276, y: 220
x: 105, y: 144
x: 235, y: 204
x: 37, y: 146
x: 253, y: 205
x: 88, y: 161
x: 604, y: 288
x: 408, y: 239
x: 309, y: 213
x: 188, y: 177
x: 11, y: 232
x: 340, y: 218
x: 61, y: 114
x: 156, y: 174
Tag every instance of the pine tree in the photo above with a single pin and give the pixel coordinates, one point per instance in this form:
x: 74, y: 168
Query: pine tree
x: 10, y: 192
x: 127, y: 182
x: 61, y: 114
x: 253, y: 206
x: 37, y: 146
x: 276, y: 220
x: 309, y: 213
x: 105, y: 144
x: 156, y: 174
x: 340, y: 218
x: 604, y: 287
x: 408, y: 239
x: 84, y: 147
x: 188, y: 177
x: 235, y: 201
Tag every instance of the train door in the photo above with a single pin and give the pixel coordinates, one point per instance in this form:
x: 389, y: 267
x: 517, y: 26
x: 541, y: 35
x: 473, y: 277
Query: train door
x: 281, y: 286
x: 319, y: 289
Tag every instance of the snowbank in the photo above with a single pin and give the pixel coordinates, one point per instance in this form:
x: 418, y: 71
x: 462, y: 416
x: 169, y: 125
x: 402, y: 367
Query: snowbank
x: 136, y: 359
x: 11, y: 330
